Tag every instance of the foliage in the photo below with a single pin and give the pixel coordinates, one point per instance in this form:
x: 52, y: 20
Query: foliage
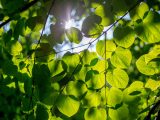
x: 118, y: 81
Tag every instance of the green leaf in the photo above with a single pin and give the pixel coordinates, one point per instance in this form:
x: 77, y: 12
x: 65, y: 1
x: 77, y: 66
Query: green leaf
x: 118, y: 78
x: 72, y: 60
x: 88, y: 56
x: 76, y: 88
x: 19, y: 29
x: 133, y: 88
x: 119, y: 7
x: 121, y: 58
x: 95, y: 114
x: 124, y: 36
x: 149, y: 68
x: 105, y: 11
x: 122, y: 113
x: 44, y: 52
x: 41, y: 75
x: 91, y: 99
x: 139, y: 12
x: 82, y: 73
x: 100, y: 66
x: 9, y: 68
x: 110, y: 47
x: 55, y: 67
x: 94, y: 62
x: 104, y: 95
x: 148, y: 29
x: 91, y: 26
x: 94, y: 80
x: 115, y: 97
x: 135, y: 93
x: 152, y: 84
x: 14, y: 47
x: 67, y: 105
x: 74, y: 35
x: 41, y: 112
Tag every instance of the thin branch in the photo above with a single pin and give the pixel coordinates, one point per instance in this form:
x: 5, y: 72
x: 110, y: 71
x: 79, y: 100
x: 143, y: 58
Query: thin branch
x: 152, y: 110
x: 33, y: 83
x: 26, y: 7
x: 105, y: 35
x: 100, y: 34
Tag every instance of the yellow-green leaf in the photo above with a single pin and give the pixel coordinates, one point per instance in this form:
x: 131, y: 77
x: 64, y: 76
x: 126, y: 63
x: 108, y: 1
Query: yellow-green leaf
x: 118, y: 78
x: 121, y: 58
x: 95, y: 114
x: 124, y: 36
x: 67, y: 105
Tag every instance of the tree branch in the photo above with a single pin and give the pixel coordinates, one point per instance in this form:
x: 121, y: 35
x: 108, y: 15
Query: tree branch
x: 20, y: 10
x: 152, y: 110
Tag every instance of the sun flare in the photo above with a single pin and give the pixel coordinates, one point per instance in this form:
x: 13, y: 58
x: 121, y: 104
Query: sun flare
x: 69, y: 24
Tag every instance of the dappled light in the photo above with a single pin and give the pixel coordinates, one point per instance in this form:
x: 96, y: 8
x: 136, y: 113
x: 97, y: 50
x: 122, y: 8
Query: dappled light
x: 79, y: 60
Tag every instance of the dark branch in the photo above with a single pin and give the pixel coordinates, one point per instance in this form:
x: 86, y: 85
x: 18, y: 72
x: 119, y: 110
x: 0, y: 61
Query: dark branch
x: 152, y: 110
x: 26, y: 7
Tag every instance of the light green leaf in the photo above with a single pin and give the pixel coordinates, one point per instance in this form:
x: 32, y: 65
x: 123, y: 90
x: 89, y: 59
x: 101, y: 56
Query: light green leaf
x: 148, y: 29
x: 110, y: 47
x: 88, y: 56
x: 118, y: 78
x: 71, y: 60
x: 94, y: 80
x: 139, y: 11
x: 152, y: 84
x: 95, y: 114
x: 74, y: 35
x: 55, y: 67
x: 121, y: 113
x: 115, y: 97
x: 14, y: 48
x: 133, y: 88
x: 121, y: 58
x: 105, y: 11
x: 76, y: 88
x: 67, y: 105
x: 124, y: 36
x: 104, y: 95
x: 91, y: 99
x: 91, y: 26
x: 100, y: 66
x: 82, y: 73
x: 149, y: 68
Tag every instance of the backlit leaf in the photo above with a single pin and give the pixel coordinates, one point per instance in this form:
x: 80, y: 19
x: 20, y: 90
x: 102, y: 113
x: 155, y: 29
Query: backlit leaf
x: 95, y: 114
x: 74, y: 35
x: 147, y: 30
x: 121, y: 58
x: 118, y: 78
x: 122, y: 113
x: 91, y: 99
x: 91, y: 26
x: 115, y: 97
x: 152, y: 84
x: 76, y: 88
x: 110, y: 47
x: 124, y: 36
x: 149, y: 68
x: 105, y: 11
x: 94, y: 80
x: 67, y: 105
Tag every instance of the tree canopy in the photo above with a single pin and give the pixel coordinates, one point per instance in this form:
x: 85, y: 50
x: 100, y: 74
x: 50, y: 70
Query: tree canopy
x: 79, y: 59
